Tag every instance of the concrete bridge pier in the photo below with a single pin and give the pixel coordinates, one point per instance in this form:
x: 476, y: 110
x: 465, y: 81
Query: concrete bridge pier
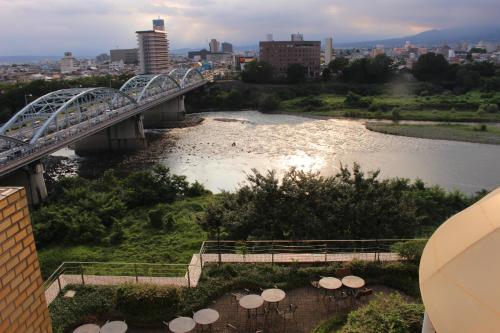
x: 165, y: 115
x: 31, y: 178
x: 124, y: 136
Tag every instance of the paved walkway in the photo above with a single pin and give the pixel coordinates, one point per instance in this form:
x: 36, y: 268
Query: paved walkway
x: 192, y: 277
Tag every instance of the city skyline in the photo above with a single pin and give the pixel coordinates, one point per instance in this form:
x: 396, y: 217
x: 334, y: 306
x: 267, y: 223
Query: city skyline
x: 57, y: 27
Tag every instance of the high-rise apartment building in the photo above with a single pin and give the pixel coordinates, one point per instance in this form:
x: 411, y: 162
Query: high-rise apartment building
x: 227, y: 47
x: 153, y: 49
x: 281, y: 54
x: 214, y: 46
x: 328, y: 50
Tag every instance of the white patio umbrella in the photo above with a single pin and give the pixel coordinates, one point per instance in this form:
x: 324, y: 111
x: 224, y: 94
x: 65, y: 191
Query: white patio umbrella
x: 460, y: 270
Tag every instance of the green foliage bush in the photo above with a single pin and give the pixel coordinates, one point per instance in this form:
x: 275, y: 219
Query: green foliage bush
x: 488, y: 108
x: 349, y: 205
x: 355, y: 100
x: 269, y: 103
x: 89, y: 303
x: 257, y: 72
x: 81, y: 211
x: 146, y: 305
x: 390, y: 314
x: 410, y: 250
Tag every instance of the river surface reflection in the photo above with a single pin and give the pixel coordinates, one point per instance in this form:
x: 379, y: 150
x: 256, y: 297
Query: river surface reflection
x: 227, y: 145
x: 222, y: 150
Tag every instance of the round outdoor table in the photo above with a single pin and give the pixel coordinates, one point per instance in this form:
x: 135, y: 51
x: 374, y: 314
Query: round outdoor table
x: 273, y: 296
x: 87, y: 328
x: 354, y: 282
x: 330, y: 283
x: 181, y: 325
x: 206, y: 317
x: 114, y: 327
x: 251, y: 302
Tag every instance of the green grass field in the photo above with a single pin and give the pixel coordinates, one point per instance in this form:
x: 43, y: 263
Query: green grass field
x: 468, y: 133
x: 141, y: 243
x: 459, y: 108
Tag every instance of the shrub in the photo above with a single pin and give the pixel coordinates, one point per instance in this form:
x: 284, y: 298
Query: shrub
x: 155, y: 217
x: 196, y: 189
x: 391, y: 314
x: 488, y: 108
x: 355, y: 100
x: 145, y: 304
x: 89, y: 301
x: 373, y: 107
x: 331, y: 325
x: 269, y: 103
x: 410, y: 250
x: 396, y: 114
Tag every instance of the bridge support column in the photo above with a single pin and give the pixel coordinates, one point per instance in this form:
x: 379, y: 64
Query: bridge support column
x: 165, y: 115
x: 127, y: 135
x: 31, y: 178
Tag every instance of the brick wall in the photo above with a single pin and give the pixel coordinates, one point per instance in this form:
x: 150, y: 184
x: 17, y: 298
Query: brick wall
x: 23, y: 307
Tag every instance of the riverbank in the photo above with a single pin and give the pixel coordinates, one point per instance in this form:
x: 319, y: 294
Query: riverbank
x: 422, y: 115
x: 454, y: 132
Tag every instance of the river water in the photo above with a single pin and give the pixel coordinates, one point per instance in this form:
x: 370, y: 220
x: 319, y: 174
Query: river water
x: 227, y: 145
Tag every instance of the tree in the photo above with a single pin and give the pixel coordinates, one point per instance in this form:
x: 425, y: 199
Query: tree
x: 325, y: 74
x: 369, y: 70
x: 431, y: 67
x: 296, y: 73
x: 338, y: 64
x: 257, y: 72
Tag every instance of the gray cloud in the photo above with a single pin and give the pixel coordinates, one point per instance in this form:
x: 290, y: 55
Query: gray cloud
x: 88, y: 27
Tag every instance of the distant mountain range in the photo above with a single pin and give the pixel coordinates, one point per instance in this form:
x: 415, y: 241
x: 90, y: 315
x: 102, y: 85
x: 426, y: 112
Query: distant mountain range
x: 435, y: 37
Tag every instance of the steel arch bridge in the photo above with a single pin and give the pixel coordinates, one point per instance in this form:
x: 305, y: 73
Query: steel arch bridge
x: 64, y: 116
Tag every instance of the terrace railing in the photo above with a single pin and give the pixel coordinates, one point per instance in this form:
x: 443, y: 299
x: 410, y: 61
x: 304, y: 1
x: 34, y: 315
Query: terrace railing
x: 116, y: 273
x: 272, y: 251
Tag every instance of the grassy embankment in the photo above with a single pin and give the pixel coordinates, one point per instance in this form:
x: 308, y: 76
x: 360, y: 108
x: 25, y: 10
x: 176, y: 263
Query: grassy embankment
x: 141, y: 243
x: 459, y: 108
x: 468, y: 133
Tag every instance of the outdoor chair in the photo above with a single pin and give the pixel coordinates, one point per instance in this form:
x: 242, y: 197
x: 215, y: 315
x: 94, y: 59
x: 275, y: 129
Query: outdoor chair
x: 236, y: 296
x: 362, y: 294
x: 342, y: 297
x: 288, y: 314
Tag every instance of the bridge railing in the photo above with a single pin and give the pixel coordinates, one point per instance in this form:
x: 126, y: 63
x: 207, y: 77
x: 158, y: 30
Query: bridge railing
x: 297, y: 250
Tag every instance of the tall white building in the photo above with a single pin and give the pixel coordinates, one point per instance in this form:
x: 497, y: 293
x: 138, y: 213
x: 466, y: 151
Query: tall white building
x: 153, y: 49
x: 328, y: 50
x: 68, y: 63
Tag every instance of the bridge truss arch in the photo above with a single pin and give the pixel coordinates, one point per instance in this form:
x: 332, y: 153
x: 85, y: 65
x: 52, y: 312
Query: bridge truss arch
x: 60, y: 110
x: 192, y: 77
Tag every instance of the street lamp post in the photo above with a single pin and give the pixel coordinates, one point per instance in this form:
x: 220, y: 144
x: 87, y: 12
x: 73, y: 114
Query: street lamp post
x: 26, y: 98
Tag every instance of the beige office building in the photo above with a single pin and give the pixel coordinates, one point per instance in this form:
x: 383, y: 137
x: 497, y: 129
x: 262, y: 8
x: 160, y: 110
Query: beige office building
x: 153, y: 50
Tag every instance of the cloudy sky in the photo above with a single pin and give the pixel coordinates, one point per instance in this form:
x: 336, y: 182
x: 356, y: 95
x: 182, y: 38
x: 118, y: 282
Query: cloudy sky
x: 88, y: 27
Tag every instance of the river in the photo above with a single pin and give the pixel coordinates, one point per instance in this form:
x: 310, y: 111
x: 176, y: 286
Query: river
x: 227, y: 145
